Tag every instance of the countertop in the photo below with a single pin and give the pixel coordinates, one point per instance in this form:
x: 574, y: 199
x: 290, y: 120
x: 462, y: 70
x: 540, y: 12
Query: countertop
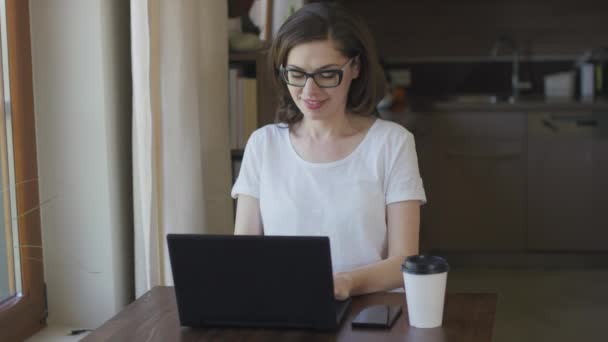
x: 524, y: 104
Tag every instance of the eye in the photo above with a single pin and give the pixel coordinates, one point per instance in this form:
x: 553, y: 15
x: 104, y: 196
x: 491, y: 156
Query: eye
x: 329, y: 74
x: 295, y: 74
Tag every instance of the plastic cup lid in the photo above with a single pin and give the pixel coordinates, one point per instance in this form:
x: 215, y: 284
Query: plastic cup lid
x: 424, y: 264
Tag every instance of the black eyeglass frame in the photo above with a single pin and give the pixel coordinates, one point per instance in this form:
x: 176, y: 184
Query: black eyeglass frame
x: 283, y: 71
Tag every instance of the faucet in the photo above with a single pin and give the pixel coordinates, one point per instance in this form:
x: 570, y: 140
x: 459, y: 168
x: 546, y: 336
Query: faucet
x: 516, y: 85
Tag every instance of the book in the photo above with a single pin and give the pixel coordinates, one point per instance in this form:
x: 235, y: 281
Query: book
x: 250, y: 108
x: 233, y: 96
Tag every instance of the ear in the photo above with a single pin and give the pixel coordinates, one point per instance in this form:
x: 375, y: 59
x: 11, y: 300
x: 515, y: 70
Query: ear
x: 355, y: 67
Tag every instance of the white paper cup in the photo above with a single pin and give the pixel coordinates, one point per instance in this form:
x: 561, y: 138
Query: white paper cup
x: 425, y: 278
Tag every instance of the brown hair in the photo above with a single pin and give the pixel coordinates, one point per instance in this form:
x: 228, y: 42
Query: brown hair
x: 323, y: 21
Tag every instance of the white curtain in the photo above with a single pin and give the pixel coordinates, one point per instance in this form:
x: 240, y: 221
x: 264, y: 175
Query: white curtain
x: 181, y: 156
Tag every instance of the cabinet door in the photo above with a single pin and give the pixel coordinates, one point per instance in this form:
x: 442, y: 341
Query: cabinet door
x: 476, y: 188
x: 600, y: 179
x: 560, y: 183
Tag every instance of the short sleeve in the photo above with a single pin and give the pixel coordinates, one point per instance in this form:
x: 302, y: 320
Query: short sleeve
x: 248, y: 180
x: 403, y: 181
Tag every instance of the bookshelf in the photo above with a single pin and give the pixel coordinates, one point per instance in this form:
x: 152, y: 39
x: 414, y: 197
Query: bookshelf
x: 252, y: 65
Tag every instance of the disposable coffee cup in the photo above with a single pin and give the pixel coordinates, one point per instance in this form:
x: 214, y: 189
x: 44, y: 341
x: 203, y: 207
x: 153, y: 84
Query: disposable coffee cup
x: 425, y: 279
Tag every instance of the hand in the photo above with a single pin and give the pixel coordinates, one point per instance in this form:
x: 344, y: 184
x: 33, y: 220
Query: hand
x: 343, y: 284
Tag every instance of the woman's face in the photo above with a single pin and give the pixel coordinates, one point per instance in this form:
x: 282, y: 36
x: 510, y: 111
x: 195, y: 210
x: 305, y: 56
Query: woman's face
x: 317, y: 103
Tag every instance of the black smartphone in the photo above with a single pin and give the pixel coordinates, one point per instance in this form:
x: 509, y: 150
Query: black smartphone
x: 377, y: 316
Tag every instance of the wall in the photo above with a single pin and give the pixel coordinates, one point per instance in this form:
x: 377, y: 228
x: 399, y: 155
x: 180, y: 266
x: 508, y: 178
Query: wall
x: 81, y: 67
x: 469, y: 28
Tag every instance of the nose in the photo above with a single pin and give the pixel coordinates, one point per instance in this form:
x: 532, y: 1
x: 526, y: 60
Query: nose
x: 310, y: 87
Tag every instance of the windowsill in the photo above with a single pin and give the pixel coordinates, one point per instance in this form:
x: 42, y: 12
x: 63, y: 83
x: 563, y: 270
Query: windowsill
x: 56, y: 333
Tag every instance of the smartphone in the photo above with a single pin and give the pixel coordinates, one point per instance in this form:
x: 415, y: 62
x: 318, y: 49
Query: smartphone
x: 377, y: 316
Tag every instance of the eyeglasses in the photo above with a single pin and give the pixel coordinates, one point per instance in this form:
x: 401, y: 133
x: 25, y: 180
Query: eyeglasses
x: 328, y: 78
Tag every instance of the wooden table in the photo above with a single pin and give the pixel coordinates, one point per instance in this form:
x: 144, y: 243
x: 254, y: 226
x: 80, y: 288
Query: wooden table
x: 153, y: 317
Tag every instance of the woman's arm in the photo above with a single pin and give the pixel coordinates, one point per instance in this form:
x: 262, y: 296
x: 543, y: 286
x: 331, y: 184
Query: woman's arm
x: 403, y: 222
x: 248, y: 220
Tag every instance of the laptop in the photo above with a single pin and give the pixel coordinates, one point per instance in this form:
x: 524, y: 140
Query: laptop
x: 254, y: 281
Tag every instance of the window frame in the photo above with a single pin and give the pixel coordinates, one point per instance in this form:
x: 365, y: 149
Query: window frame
x: 24, y: 314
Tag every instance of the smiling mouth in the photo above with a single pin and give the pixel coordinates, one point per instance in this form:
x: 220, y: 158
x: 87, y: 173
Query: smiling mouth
x: 312, y: 104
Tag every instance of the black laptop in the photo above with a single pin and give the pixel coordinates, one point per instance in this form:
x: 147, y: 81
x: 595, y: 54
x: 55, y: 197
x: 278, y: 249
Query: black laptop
x: 254, y: 281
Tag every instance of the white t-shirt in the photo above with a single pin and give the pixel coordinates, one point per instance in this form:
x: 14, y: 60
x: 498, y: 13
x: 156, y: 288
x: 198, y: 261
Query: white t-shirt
x: 345, y: 200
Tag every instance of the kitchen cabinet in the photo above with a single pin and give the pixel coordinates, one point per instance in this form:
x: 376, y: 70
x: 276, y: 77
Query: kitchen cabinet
x: 567, y: 186
x: 600, y: 178
x: 473, y: 165
x: 529, y: 181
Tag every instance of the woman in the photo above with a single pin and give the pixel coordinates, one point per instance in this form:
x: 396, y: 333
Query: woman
x: 330, y: 167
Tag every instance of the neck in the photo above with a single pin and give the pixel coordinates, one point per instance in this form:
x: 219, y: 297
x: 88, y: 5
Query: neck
x: 334, y: 127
